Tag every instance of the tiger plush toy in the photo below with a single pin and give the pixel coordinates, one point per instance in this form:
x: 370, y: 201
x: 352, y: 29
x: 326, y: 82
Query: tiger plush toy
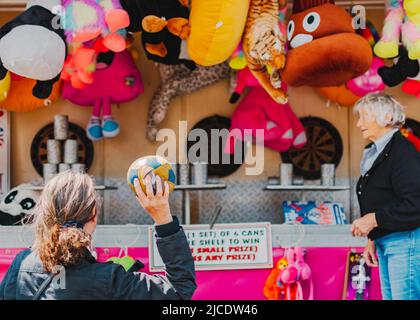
x: 264, y: 45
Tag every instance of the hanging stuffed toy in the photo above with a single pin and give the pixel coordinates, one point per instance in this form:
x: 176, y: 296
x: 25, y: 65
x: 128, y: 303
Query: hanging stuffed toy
x: 21, y: 99
x: 91, y: 27
x: 339, y: 95
x: 272, y: 289
x: 244, y: 79
x: 402, y: 69
x: 216, y: 29
x: 179, y: 80
x: 264, y: 45
x: 116, y: 80
x: 5, y: 87
x: 86, y: 20
x: 368, y: 82
x: 412, y: 10
x: 405, y: 71
x: 32, y: 46
x: 321, y: 46
x: 412, y: 85
x: 17, y: 205
x: 258, y: 111
x: 81, y: 63
x: 348, y: 94
x: 294, y: 274
x: 402, y: 21
x: 164, y: 25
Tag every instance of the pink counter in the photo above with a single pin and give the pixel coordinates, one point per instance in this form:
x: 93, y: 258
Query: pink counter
x: 328, y: 267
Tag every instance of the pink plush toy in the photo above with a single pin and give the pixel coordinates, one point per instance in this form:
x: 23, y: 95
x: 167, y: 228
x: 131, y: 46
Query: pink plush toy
x: 412, y: 86
x: 85, y: 20
x: 281, y: 128
x: 116, y: 80
x: 305, y: 273
x: 295, y: 273
x: 368, y: 82
x: 244, y: 79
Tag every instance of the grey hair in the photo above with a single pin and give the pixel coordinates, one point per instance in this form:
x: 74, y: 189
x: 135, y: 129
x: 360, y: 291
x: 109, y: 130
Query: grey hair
x: 379, y: 105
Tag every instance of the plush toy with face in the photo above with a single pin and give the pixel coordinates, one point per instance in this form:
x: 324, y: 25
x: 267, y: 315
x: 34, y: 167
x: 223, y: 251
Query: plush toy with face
x: 32, y: 46
x: 21, y: 99
x: 321, y: 46
x: 164, y: 25
x: 17, y: 204
x: 85, y: 20
x: 116, y: 80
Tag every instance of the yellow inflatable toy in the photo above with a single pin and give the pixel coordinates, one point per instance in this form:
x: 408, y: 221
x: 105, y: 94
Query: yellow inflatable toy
x: 5, y: 87
x: 216, y: 29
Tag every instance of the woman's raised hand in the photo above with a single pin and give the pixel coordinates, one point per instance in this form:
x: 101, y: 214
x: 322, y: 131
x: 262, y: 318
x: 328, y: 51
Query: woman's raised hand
x: 157, y: 205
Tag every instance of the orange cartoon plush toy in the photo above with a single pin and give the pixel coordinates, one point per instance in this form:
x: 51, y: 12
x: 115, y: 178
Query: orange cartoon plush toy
x: 322, y: 45
x: 21, y: 99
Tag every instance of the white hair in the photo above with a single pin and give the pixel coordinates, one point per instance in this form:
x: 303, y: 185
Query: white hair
x: 379, y: 106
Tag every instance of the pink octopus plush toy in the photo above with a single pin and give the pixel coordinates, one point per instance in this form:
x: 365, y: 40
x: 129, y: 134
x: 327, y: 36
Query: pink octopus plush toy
x: 116, y: 80
x: 260, y: 118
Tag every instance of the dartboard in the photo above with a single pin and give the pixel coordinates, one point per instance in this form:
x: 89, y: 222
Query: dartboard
x: 324, y: 146
x: 413, y: 126
x: 39, y: 146
x: 219, y: 169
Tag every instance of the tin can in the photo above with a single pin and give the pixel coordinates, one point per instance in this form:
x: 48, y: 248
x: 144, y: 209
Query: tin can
x: 286, y: 174
x: 61, y: 127
x: 328, y: 174
x: 199, y: 173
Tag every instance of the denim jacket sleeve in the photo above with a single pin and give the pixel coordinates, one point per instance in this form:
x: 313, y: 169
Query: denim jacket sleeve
x: 9, y: 283
x: 178, y: 283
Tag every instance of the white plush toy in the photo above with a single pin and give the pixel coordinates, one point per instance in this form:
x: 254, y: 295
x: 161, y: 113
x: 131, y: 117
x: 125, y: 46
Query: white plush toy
x: 32, y: 45
x: 17, y: 204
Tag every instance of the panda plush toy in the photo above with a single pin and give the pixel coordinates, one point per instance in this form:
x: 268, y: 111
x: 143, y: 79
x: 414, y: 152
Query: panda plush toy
x: 16, y: 205
x: 33, y: 46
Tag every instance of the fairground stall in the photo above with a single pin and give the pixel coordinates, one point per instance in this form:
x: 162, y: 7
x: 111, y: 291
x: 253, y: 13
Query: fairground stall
x: 80, y: 92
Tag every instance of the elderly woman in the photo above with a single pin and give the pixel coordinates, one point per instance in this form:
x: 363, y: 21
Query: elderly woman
x: 389, y: 197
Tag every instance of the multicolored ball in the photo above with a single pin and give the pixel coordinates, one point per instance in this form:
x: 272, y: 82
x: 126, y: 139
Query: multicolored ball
x: 150, y: 166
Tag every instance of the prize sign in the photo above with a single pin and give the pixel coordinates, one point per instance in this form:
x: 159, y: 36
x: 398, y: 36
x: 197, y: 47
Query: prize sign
x: 224, y: 247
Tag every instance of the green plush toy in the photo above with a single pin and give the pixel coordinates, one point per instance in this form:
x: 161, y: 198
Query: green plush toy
x: 128, y: 263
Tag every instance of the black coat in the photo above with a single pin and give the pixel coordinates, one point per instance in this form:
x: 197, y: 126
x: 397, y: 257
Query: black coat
x: 391, y: 188
x: 91, y: 280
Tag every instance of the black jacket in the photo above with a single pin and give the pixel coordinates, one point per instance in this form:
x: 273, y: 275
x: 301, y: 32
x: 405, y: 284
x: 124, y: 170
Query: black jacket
x: 91, y: 280
x: 391, y: 188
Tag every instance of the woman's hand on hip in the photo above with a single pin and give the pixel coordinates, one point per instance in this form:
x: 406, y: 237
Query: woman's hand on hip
x: 362, y: 226
x: 369, y: 254
x: 157, y: 205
